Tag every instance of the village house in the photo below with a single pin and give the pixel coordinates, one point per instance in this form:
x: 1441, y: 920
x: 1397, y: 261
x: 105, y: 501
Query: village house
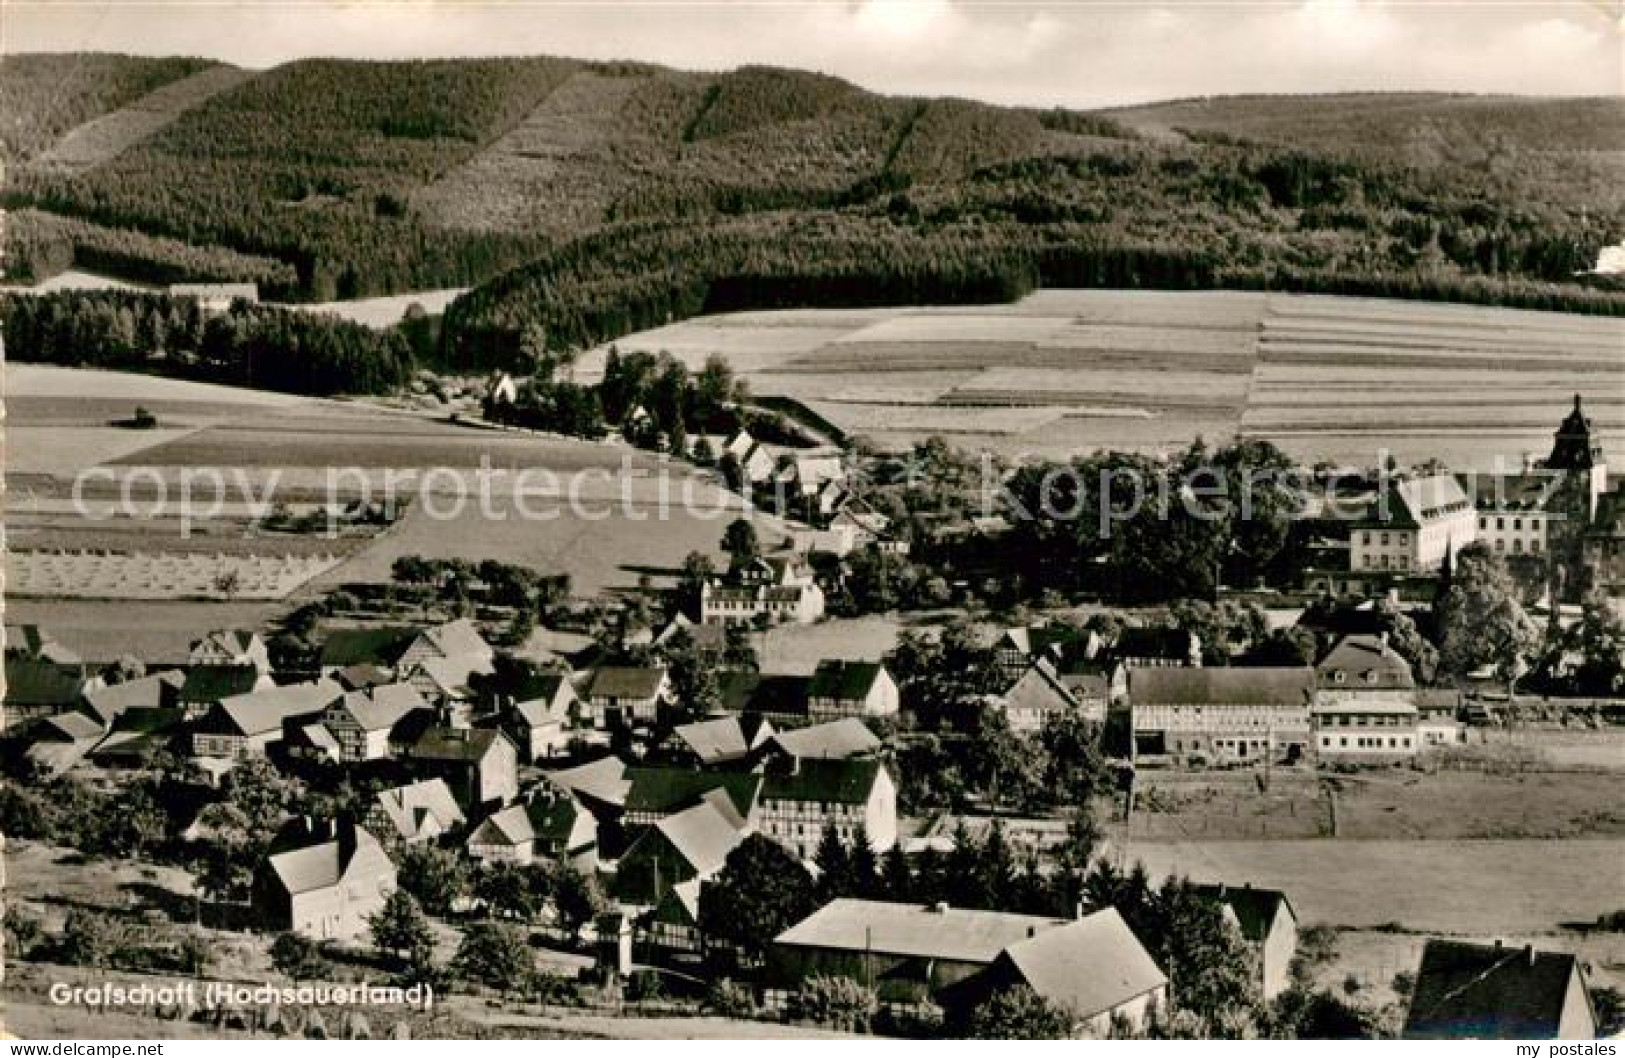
x: 1362, y: 731
x: 782, y: 697
x: 600, y: 785
x: 445, y: 684
x: 1222, y: 714
x: 1413, y: 525
x: 556, y: 830
x: 851, y: 688
x: 135, y: 734
x: 1037, y: 695
x: 1062, y: 645
x: 231, y: 646
x: 417, y: 812
x: 538, y: 718
x: 1265, y: 920
x: 322, y: 880
x: 377, y: 647
x: 913, y: 954
x: 625, y: 696
x: 481, y: 765
x: 155, y: 690
x: 687, y: 846
x: 778, y: 589
x: 756, y: 462
x: 1364, y: 667
x: 1469, y: 991
x: 803, y: 796
x: 361, y: 721
x: 249, y: 724
x: 61, y: 741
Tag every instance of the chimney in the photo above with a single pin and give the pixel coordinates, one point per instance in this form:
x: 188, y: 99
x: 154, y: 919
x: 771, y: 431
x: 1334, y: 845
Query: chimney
x: 1032, y: 931
x: 1529, y: 955
x: 1382, y: 642
x: 940, y: 907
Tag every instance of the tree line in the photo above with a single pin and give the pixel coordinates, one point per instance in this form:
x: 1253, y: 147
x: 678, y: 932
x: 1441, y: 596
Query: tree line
x: 248, y: 345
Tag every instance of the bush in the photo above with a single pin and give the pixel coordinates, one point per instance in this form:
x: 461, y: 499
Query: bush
x: 644, y: 985
x: 837, y: 1003
x: 729, y: 1000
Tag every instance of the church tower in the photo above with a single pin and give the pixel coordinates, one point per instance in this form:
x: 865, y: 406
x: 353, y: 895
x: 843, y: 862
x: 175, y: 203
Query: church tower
x: 1581, y: 476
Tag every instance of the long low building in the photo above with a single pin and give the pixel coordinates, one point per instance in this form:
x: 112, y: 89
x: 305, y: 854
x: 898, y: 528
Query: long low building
x: 1223, y: 714
x: 911, y: 954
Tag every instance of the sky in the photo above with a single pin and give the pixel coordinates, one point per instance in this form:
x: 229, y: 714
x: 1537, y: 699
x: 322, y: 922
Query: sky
x: 1081, y: 53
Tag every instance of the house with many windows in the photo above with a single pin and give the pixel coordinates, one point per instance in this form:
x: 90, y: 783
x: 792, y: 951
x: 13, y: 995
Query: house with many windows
x: 1222, y: 714
x: 1412, y: 526
x: 778, y: 589
x: 801, y: 797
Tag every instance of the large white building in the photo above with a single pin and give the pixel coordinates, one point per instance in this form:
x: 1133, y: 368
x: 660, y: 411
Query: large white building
x: 1412, y: 526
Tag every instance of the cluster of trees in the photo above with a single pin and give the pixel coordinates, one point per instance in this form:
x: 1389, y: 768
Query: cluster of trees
x: 46, y: 95
x: 249, y: 345
x: 41, y: 245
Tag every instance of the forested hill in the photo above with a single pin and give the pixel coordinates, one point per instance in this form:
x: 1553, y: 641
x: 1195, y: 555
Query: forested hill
x: 595, y: 197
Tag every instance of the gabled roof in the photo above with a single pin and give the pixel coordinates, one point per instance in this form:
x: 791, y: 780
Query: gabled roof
x: 720, y: 740
x: 1227, y: 686
x: 382, y: 707
x: 918, y: 930
x: 213, y: 683
x: 604, y: 780
x: 663, y: 791
x: 309, y: 861
x: 703, y: 836
x: 260, y: 712
x: 511, y: 826
x: 154, y: 691
x: 1476, y: 991
x: 836, y: 740
x: 545, y: 699
x: 847, y: 681
x: 69, y: 727
x: 362, y: 675
x: 1040, y: 689
x: 381, y: 646
x: 1255, y: 909
x: 406, y: 807
x: 450, y: 675
x: 618, y: 681
x: 233, y: 641
x: 838, y: 781
x: 456, y: 638
x: 1087, y: 967
x: 1365, y: 661
x: 1412, y: 502
x: 31, y: 682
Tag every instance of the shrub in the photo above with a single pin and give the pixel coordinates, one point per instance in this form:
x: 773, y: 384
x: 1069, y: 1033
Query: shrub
x: 730, y: 1000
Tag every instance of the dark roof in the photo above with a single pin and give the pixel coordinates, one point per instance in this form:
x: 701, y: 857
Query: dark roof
x: 362, y: 675
x: 43, y: 683
x: 212, y: 683
x: 1255, y: 909
x: 467, y: 744
x: 1367, y: 661
x: 846, y: 681
x: 344, y: 647
x: 1476, y: 991
x: 662, y: 791
x: 1158, y: 641
x: 615, y: 681
x: 1241, y: 686
x: 775, y: 694
x: 847, y: 781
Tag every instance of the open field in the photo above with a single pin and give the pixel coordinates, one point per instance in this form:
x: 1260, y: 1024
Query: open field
x: 1066, y: 370
x: 1379, y: 805
x: 159, y: 633
x: 1475, y: 888
x: 799, y: 648
x: 160, y: 575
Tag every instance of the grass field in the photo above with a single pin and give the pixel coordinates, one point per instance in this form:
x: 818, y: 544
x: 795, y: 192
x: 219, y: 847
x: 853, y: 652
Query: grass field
x: 1066, y: 370
x: 159, y: 633
x: 1475, y: 888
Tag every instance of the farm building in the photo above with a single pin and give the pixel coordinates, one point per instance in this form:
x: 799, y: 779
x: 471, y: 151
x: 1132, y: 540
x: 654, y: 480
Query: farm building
x: 687, y: 846
x: 37, y: 688
x: 249, y: 724
x: 558, y: 830
x: 1365, y: 731
x: 1483, y: 992
x: 779, y: 696
x: 1232, y: 714
x: 208, y: 685
x: 911, y: 954
x: 231, y: 646
x: 481, y: 765
x: 835, y: 740
x: 361, y: 722
x: 1037, y: 695
x: 778, y: 589
x: 656, y: 793
x: 322, y: 880
x: 720, y: 740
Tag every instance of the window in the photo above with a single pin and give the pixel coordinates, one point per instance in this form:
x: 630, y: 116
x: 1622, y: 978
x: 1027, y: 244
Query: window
x: 1500, y: 523
x: 1534, y: 547
x: 1517, y: 523
x: 1384, y: 539
x: 1365, y: 538
x: 1517, y: 546
x: 1500, y: 545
